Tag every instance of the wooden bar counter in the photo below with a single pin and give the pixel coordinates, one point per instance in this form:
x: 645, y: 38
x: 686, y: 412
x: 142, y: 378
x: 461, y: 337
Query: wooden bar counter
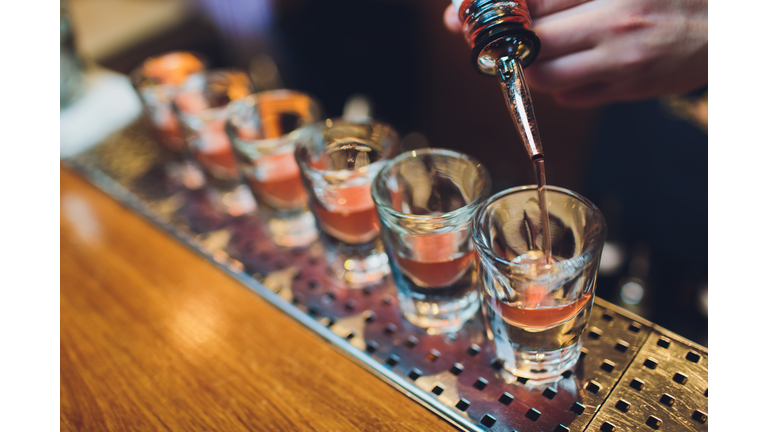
x: 154, y: 337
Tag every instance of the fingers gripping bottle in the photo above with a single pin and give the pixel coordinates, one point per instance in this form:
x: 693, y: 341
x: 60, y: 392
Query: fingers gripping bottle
x: 502, y: 42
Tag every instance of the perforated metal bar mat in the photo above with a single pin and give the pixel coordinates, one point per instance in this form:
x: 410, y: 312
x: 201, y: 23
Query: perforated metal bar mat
x: 631, y: 375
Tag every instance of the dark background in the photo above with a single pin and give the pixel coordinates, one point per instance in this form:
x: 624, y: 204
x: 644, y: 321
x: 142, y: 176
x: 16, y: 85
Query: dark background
x: 645, y: 168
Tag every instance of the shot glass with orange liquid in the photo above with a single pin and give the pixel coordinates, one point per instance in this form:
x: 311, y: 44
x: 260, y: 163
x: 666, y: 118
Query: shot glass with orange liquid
x: 537, y: 309
x: 338, y: 160
x: 425, y: 200
x: 201, y: 105
x: 263, y: 129
x: 157, y: 80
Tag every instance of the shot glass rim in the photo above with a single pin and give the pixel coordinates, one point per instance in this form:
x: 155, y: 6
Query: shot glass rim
x: 321, y: 124
x: 138, y: 77
x: 485, y: 251
x: 211, y: 113
x: 252, y: 100
x: 378, y: 202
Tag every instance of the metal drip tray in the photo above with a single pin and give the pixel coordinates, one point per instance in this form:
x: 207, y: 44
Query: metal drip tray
x: 631, y: 375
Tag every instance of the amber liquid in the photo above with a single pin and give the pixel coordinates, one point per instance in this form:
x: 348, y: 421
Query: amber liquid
x: 276, y: 180
x: 434, y: 260
x: 541, y: 317
x: 283, y: 194
x: 436, y: 274
x: 547, y: 333
x: 221, y: 164
x: 352, y: 216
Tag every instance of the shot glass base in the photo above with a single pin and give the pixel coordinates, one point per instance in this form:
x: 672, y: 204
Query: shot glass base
x: 440, y: 316
x: 357, y: 265
x: 291, y: 229
x: 542, y: 367
x: 185, y: 173
x: 235, y: 201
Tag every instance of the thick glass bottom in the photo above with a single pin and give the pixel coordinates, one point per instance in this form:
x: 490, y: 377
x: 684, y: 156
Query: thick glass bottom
x: 541, y: 366
x: 291, y: 229
x: 440, y: 315
x: 357, y: 265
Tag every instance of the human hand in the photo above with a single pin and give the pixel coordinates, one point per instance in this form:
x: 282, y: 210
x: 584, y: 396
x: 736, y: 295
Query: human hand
x: 600, y: 51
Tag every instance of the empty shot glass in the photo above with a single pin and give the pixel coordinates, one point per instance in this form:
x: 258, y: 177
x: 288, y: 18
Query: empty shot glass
x: 338, y: 161
x: 263, y: 129
x: 425, y: 200
x: 536, y: 310
x: 201, y: 105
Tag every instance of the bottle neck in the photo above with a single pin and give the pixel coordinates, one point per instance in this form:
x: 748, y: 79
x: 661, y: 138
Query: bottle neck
x: 495, y: 29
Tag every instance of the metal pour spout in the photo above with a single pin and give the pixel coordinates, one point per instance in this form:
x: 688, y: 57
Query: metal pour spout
x: 510, y: 73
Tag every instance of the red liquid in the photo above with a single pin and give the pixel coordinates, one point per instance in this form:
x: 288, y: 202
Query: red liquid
x: 277, y: 181
x: 436, y: 261
x: 351, y: 217
x: 213, y: 151
x: 221, y: 164
x: 435, y: 274
x: 284, y: 194
x: 541, y: 317
x: 170, y: 136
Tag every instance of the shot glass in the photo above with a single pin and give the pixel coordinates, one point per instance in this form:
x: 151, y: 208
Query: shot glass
x: 425, y: 200
x: 201, y: 104
x: 536, y: 310
x: 263, y: 129
x: 157, y: 80
x: 338, y: 160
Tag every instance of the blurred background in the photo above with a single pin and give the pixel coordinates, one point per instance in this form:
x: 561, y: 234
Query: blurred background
x: 643, y: 164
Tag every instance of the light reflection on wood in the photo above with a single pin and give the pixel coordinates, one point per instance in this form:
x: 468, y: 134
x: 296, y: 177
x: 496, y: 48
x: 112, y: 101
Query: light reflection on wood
x: 153, y: 337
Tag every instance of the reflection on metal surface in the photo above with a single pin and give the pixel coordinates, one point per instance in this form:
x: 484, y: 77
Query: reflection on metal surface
x: 453, y: 374
x: 215, y: 240
x: 168, y: 206
x: 279, y: 281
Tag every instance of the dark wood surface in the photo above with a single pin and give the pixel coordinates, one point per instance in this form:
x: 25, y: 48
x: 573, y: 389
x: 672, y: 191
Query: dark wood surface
x: 153, y: 337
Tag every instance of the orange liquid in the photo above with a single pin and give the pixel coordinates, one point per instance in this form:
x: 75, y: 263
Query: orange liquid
x: 282, y: 194
x: 436, y: 274
x: 355, y: 227
x: 170, y: 136
x: 352, y: 217
x: 435, y: 260
x: 172, y: 68
x: 214, y: 152
x: 277, y: 181
x: 222, y: 163
x: 541, y: 317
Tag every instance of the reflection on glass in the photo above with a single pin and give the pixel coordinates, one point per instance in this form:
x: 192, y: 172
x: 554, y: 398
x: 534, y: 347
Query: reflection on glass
x: 157, y: 80
x: 536, y: 309
x: 425, y: 199
x: 338, y: 161
x: 201, y: 104
x: 263, y: 129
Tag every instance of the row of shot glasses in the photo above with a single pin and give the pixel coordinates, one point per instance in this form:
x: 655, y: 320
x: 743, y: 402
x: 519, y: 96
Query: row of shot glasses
x: 423, y: 215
